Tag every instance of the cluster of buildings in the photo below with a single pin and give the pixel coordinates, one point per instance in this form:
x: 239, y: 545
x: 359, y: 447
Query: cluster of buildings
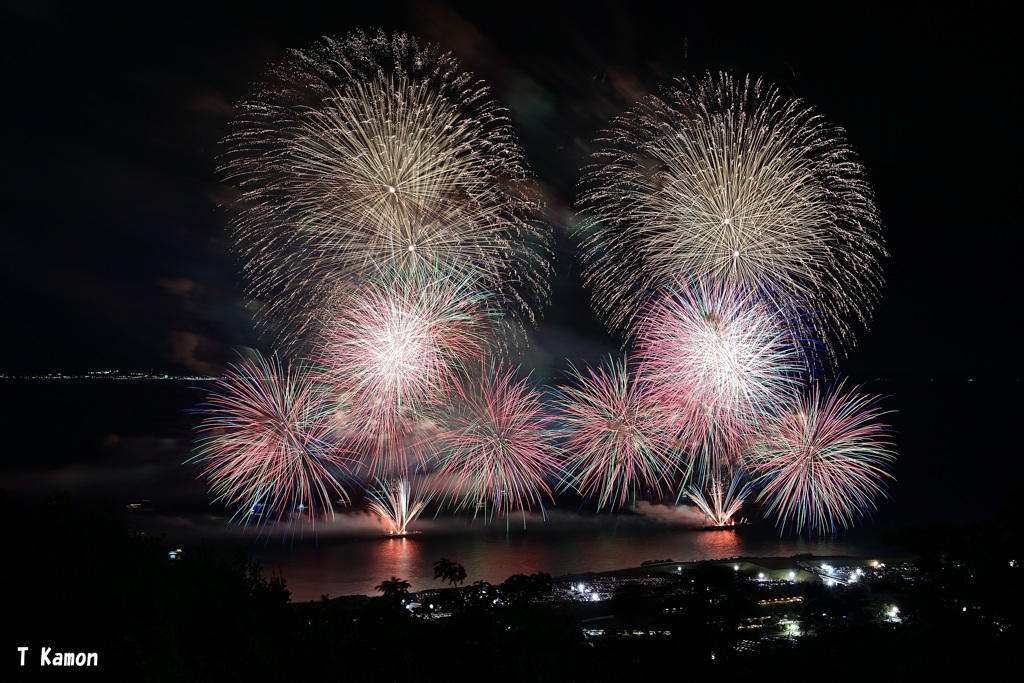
x: 753, y: 599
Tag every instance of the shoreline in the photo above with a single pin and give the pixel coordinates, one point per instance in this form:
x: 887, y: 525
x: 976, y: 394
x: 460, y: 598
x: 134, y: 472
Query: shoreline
x: 788, y: 568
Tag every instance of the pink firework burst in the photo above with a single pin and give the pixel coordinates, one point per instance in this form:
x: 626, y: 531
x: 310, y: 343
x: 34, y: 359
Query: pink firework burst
x: 265, y: 442
x: 716, y: 353
x: 617, y: 439
x: 824, y: 462
x: 498, y: 448
x: 395, y: 343
x: 390, y: 443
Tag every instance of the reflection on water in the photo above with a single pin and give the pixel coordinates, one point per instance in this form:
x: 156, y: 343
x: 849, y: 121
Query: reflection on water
x: 350, y: 566
x: 352, y: 555
x: 399, y: 557
x: 721, y: 543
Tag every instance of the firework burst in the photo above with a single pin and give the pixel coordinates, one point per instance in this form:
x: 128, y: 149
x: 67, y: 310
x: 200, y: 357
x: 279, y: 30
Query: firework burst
x: 498, y: 446
x: 718, y: 355
x: 394, y: 343
x: 617, y: 439
x: 822, y: 464
x: 728, y: 180
x: 385, y: 441
x: 374, y: 152
x: 265, y: 442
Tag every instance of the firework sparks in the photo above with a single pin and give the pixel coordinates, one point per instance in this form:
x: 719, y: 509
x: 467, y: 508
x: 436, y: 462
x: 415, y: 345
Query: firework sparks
x: 402, y: 336
x: 616, y: 437
x: 823, y: 464
x: 720, y: 501
x: 375, y: 152
x: 498, y: 445
x: 399, y: 503
x: 265, y: 442
x: 727, y: 180
x: 716, y: 479
x: 396, y: 342
x: 385, y: 441
x: 717, y: 354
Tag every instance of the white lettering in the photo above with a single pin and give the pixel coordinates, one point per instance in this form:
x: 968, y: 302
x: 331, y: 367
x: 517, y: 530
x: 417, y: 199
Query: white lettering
x: 65, y: 658
x: 23, y: 650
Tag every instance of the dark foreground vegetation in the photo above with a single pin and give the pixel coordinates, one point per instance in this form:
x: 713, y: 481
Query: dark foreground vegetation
x: 79, y: 580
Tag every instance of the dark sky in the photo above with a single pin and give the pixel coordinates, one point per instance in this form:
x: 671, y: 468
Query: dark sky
x: 115, y: 251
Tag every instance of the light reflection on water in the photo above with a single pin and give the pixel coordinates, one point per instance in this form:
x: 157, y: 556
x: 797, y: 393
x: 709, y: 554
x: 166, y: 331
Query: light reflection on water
x: 400, y: 557
x: 341, y: 566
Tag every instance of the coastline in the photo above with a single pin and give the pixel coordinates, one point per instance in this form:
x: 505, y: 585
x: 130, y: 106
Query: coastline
x: 789, y: 569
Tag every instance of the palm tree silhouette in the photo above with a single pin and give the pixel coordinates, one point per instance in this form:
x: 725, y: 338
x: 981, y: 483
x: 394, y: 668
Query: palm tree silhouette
x: 452, y: 572
x: 393, y: 588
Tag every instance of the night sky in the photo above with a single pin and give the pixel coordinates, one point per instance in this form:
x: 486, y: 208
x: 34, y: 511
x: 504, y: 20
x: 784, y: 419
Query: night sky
x: 115, y: 245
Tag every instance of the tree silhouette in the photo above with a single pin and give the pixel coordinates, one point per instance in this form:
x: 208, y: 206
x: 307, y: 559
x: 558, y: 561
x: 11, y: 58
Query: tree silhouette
x: 523, y: 588
x: 393, y: 588
x: 452, y: 572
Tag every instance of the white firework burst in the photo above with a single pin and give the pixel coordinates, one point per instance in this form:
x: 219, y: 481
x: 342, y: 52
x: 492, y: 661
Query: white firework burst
x: 728, y: 180
x: 375, y: 152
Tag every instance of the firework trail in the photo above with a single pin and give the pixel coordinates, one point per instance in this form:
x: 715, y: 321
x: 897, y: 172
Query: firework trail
x: 728, y: 180
x: 498, y: 445
x: 721, y: 500
x: 399, y: 503
x: 716, y: 480
x: 822, y: 464
x: 372, y: 152
x: 616, y: 438
x: 265, y: 442
x: 718, y: 355
x: 396, y: 342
